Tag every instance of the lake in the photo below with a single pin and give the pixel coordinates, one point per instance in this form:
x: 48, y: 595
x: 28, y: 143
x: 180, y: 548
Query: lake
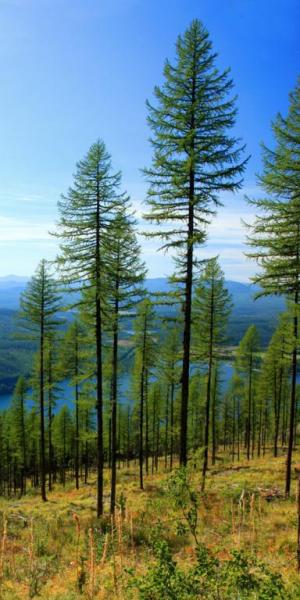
x: 67, y: 391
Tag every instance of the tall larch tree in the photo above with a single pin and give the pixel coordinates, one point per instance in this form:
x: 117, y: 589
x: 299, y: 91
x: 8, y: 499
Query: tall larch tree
x: 63, y: 436
x: 40, y: 304
x: 247, y: 361
x: 73, y: 365
x: 276, y: 371
x: 211, y: 309
x: 125, y: 274
x: 143, y: 364
x: 52, y: 396
x: 168, y: 371
x: 18, y: 413
x: 275, y: 234
x: 85, y: 213
x: 194, y: 159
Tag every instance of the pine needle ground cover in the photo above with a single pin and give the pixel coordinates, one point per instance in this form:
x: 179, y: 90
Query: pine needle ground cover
x: 237, y: 540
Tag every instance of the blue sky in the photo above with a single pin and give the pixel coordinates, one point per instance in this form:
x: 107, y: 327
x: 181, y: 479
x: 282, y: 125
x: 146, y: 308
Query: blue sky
x: 75, y: 70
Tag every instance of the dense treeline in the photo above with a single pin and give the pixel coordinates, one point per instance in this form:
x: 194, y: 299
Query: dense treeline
x: 175, y: 407
x: 248, y: 418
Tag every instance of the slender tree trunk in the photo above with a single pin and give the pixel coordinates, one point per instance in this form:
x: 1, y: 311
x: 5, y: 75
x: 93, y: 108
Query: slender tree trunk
x: 141, y: 445
x: 99, y: 411
x: 259, y: 430
x: 118, y: 445
x: 213, y: 419
x: 172, y: 426
x: 248, y: 426
x: 76, y: 415
x: 128, y: 436
x: 188, y: 302
x: 265, y: 430
x: 50, y: 443
x: 64, y: 452
x: 208, y: 391
x: 238, y: 429
x: 42, y: 413
x: 114, y: 408
x: 98, y: 335
x: 50, y: 416
x: 206, y: 428
x: 146, y: 423
x: 233, y: 429
x: 293, y: 403
x: 77, y: 435
x: 253, y: 426
x: 153, y: 433
x: 295, y: 426
x: 109, y: 438
x: 142, y: 383
x: 225, y: 429
x: 186, y: 349
x: 277, y: 413
x: 167, y: 430
x: 284, y: 414
x: 24, y: 445
x: 157, y: 443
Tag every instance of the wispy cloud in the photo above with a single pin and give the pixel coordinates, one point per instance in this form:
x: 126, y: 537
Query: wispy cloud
x: 20, y: 230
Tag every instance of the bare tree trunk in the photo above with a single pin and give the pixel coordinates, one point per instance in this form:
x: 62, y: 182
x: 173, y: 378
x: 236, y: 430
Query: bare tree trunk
x: 293, y: 405
x: 42, y: 414
x: 114, y: 408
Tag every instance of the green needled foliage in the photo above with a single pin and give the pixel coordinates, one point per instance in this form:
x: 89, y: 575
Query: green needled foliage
x: 194, y: 159
x: 52, y: 389
x: 144, y: 361
x: 169, y: 371
x: 75, y: 365
x: 85, y: 214
x: 274, y: 379
x: 232, y: 415
x: 18, y: 431
x: 63, y: 436
x: 125, y: 275
x: 40, y: 303
x: 275, y: 234
x: 211, y: 309
x: 247, y: 362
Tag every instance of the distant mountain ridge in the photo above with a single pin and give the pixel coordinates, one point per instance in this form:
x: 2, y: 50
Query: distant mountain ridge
x: 13, y: 279
x: 11, y: 287
x: 246, y: 311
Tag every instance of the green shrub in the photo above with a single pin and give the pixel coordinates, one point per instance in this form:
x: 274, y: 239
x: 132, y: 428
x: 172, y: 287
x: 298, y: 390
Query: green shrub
x: 242, y: 577
x: 185, y: 500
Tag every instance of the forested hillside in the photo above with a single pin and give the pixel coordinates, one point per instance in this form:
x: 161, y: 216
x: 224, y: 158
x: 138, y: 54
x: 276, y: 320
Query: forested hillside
x: 128, y: 467
x: 16, y: 355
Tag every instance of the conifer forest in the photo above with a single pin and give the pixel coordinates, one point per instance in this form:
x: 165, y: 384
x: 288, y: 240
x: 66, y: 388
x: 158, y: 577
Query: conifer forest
x: 144, y: 452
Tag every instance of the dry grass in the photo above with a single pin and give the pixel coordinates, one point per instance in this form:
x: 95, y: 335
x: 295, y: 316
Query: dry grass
x: 61, y: 551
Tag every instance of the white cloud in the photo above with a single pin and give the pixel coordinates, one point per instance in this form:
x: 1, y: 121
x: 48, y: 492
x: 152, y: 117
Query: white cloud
x: 226, y: 233
x: 21, y: 230
x: 228, y: 227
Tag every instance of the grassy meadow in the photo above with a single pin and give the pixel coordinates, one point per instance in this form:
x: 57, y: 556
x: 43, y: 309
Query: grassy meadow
x: 59, y: 549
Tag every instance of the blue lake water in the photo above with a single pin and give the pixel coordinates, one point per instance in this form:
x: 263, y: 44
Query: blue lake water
x: 66, y: 395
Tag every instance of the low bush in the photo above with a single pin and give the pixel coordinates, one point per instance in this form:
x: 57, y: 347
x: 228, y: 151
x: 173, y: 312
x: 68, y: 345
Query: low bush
x: 242, y: 577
